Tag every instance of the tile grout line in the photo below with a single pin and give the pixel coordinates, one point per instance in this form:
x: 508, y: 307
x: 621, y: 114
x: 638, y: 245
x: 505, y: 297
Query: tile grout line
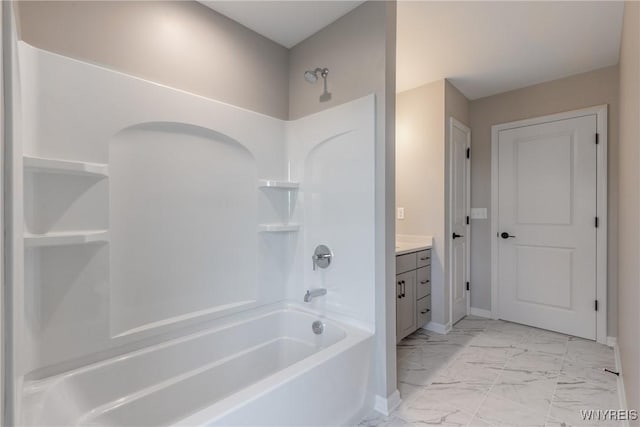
x: 553, y: 396
x: 475, y: 413
x: 514, y: 351
x: 528, y: 341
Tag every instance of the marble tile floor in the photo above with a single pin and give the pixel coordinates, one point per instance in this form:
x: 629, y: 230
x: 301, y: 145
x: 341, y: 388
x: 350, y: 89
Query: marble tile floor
x: 494, y: 373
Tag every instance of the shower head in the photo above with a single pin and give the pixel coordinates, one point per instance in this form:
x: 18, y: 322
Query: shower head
x: 312, y: 76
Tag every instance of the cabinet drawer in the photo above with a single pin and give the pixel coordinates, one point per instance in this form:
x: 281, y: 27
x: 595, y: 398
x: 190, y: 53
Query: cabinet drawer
x: 423, y: 311
x: 405, y: 263
x: 423, y: 286
x: 424, y: 258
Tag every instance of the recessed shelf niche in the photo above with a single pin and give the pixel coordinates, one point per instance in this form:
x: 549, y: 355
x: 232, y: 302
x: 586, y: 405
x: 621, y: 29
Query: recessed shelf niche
x: 63, y: 199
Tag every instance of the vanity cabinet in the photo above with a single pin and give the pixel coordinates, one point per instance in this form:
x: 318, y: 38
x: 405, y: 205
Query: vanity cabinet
x: 413, y: 292
x: 406, y: 304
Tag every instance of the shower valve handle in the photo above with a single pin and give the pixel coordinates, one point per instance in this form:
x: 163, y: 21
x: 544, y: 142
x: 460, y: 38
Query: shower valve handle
x: 321, y: 257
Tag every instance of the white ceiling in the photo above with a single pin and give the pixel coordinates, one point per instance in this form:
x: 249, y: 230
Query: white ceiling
x: 285, y: 22
x: 482, y: 47
x: 486, y: 48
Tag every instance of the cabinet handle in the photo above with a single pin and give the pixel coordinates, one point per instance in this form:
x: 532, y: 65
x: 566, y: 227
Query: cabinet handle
x: 404, y: 288
x: 425, y: 311
x: 399, y: 295
x: 424, y: 282
x: 424, y: 258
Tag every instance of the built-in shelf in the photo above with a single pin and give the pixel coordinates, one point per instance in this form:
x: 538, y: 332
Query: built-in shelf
x: 274, y: 183
x: 278, y: 228
x: 69, y: 167
x: 63, y: 238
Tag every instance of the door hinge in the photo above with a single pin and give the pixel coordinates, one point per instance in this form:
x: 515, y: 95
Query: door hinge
x: 467, y: 285
x: 468, y: 153
x: 596, y: 305
x: 597, y: 138
x: 467, y: 219
x: 597, y: 222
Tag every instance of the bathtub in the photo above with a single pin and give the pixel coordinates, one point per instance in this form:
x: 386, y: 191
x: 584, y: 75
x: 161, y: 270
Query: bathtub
x: 262, y: 368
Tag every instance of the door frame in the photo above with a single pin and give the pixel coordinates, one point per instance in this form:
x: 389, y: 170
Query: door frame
x: 453, y: 122
x: 601, y: 112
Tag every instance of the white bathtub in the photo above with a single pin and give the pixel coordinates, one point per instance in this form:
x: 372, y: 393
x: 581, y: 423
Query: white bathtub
x: 268, y: 368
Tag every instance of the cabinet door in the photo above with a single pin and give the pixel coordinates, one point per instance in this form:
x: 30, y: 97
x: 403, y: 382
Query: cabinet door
x: 405, y: 304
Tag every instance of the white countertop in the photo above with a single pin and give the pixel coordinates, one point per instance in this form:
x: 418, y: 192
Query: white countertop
x: 406, y: 243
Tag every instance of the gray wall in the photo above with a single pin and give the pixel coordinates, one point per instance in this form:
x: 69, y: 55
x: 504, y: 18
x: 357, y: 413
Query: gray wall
x: 359, y: 50
x: 420, y: 120
x: 629, y: 239
x: 456, y: 105
x: 571, y: 93
x: 420, y: 178
x: 422, y: 136
x: 178, y: 43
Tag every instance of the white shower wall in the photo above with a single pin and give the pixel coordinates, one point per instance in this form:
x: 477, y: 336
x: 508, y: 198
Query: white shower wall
x: 155, y: 225
x: 332, y: 154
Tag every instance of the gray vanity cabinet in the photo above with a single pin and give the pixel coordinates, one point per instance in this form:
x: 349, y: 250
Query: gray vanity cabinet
x: 413, y: 292
x: 405, y: 303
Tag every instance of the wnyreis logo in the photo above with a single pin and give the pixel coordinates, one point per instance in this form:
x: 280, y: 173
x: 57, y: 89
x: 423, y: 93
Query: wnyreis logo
x: 609, y: 414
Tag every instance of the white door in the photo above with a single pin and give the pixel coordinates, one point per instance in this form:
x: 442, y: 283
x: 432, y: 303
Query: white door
x: 459, y: 198
x: 546, y: 225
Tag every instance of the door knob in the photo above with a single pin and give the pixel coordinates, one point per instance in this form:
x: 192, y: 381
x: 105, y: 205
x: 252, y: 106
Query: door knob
x: 455, y: 236
x: 506, y: 235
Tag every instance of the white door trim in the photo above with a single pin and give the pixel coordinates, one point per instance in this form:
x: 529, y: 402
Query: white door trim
x: 600, y: 111
x: 453, y: 122
x: 3, y: 345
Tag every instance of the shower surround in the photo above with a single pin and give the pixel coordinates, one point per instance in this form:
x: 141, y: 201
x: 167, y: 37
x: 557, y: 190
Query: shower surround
x: 144, y: 215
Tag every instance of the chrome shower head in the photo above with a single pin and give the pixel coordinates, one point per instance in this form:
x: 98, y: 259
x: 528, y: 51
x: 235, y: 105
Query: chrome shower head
x: 312, y: 76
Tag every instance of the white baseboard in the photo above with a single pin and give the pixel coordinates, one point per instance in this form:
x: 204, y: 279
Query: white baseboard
x: 438, y: 328
x: 387, y: 405
x: 622, y: 396
x: 480, y: 312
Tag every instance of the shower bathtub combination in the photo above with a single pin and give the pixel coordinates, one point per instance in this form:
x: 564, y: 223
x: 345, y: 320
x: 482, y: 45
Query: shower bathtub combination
x: 161, y: 244
x: 264, y: 368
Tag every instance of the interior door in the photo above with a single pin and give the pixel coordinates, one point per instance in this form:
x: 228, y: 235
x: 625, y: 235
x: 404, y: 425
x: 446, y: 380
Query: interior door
x: 546, y: 218
x: 459, y: 213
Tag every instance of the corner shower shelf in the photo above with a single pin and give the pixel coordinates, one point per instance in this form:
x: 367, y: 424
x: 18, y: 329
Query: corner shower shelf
x: 274, y: 183
x: 278, y: 228
x: 63, y: 238
x: 70, y: 167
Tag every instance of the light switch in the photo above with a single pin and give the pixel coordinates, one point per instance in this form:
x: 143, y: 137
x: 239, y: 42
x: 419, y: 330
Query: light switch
x: 478, y: 213
x: 400, y: 213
